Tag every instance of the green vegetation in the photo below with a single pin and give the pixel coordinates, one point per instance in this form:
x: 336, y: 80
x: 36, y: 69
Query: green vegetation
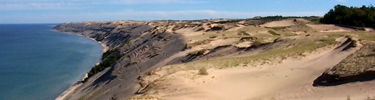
x: 353, y: 43
x: 286, y: 48
x: 99, y: 38
x: 109, y: 52
x: 203, y: 71
x: 199, y: 43
x: 243, y: 33
x: 108, y: 61
x: 352, y: 16
x: 360, y: 61
x: 273, y: 18
x: 328, y: 40
x: 256, y: 43
x: 197, y: 52
x: 278, y: 28
x: 273, y: 33
x: 228, y: 21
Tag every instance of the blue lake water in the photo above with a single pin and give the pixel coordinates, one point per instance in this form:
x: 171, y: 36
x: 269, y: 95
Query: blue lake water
x: 39, y: 64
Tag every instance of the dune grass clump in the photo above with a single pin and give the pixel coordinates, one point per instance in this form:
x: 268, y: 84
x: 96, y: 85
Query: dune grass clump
x: 243, y: 33
x: 256, y: 43
x: 353, y: 43
x: 202, y: 71
x: 360, y: 61
x: 273, y: 33
x: 197, y: 52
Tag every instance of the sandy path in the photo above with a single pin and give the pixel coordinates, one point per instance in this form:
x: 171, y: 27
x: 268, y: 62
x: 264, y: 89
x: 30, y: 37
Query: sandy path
x: 291, y: 79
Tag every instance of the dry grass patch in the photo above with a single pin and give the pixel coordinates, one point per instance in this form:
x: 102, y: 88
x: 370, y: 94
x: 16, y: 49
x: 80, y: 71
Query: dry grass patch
x: 358, y: 62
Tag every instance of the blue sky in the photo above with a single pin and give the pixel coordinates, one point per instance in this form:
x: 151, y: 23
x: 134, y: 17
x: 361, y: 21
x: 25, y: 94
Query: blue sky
x: 58, y: 11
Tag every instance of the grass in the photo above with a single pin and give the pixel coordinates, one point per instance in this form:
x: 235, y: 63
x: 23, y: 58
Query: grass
x: 243, y: 33
x: 360, y: 61
x: 328, y: 40
x: 200, y: 42
x: 367, y: 36
x: 273, y: 54
x: 197, y: 52
x: 273, y: 33
x: 108, y: 61
x: 277, y: 28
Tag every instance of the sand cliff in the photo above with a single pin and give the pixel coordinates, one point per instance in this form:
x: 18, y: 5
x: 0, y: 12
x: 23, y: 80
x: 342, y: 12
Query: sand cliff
x: 244, y: 59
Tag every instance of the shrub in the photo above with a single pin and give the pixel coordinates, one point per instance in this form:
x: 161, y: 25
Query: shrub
x: 353, y: 43
x: 99, y: 38
x: 203, y: 71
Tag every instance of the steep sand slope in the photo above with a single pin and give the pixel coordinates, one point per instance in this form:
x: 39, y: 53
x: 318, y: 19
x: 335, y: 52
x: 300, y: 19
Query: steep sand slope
x: 291, y: 79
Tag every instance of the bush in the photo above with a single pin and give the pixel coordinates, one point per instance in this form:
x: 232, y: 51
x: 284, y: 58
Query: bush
x: 203, y: 71
x: 109, y: 52
x: 353, y: 43
x: 99, y: 38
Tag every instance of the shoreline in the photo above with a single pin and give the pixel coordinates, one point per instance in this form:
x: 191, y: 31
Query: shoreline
x: 78, y: 83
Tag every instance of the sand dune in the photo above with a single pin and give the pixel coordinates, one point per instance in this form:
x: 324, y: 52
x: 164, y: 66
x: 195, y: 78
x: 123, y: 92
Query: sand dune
x: 283, y: 23
x: 328, y: 28
x: 291, y: 79
x: 244, y: 62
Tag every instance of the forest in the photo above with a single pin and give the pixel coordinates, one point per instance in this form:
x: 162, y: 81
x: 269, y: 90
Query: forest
x: 351, y: 16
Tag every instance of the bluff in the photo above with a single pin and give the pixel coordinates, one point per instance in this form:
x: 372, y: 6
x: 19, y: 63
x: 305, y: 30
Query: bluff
x: 138, y: 47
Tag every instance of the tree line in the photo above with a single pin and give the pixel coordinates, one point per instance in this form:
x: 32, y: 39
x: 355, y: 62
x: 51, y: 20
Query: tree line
x: 352, y: 16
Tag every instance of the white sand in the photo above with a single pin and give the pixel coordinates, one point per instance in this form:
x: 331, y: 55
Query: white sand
x: 281, y: 23
x: 292, y: 79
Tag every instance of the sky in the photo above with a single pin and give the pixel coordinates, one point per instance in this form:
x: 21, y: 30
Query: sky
x: 59, y: 11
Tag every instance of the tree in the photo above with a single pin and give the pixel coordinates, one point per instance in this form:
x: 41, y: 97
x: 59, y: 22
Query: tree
x: 353, y: 16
